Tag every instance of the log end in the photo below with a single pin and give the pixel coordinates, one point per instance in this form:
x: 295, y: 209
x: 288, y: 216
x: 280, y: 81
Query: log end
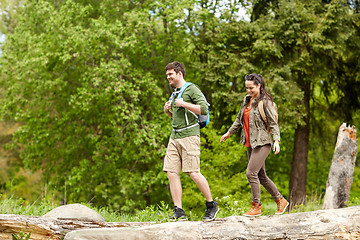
x: 346, y: 131
x: 351, y: 133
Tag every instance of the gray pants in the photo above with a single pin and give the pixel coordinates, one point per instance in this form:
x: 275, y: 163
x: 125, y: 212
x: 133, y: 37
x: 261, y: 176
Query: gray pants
x: 256, y: 173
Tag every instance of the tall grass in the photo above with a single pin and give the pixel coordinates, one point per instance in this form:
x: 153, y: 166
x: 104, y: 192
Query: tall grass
x: 229, y: 206
x: 13, y: 205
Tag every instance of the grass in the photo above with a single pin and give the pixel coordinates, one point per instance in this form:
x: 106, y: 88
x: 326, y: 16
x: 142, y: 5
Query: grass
x: 18, y: 206
x: 21, y: 236
x: 229, y: 206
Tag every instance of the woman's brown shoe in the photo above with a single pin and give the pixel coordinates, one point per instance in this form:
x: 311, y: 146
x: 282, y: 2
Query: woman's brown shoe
x: 254, y: 211
x: 282, y: 204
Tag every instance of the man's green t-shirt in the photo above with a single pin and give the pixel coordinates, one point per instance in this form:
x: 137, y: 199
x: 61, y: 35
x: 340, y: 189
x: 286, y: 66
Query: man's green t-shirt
x: 192, y: 94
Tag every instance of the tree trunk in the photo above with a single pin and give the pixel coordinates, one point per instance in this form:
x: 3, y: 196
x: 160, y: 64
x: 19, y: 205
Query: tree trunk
x: 297, y: 185
x: 341, y: 172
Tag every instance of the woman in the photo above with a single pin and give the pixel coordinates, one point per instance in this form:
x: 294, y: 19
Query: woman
x: 255, y: 136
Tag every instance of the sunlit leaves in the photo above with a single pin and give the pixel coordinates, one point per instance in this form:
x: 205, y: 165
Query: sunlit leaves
x: 86, y: 109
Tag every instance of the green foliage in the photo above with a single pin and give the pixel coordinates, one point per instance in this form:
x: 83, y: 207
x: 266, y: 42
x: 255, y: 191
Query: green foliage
x: 85, y: 81
x: 83, y: 105
x: 354, y: 201
x: 230, y: 205
x: 14, y: 205
x: 313, y: 203
x: 20, y: 236
x: 233, y: 205
x: 8, y: 14
x: 154, y: 213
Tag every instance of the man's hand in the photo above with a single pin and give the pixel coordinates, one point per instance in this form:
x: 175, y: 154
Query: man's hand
x: 189, y: 106
x: 167, y: 108
x: 179, y: 102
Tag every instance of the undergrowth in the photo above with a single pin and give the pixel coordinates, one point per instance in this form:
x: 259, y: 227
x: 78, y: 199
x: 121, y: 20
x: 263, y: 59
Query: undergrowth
x: 229, y: 206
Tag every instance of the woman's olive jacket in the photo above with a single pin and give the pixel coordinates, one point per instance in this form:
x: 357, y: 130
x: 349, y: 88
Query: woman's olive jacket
x: 259, y: 134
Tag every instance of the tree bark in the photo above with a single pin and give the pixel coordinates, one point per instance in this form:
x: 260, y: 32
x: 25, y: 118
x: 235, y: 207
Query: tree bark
x: 298, y: 176
x: 342, y: 167
x: 41, y: 228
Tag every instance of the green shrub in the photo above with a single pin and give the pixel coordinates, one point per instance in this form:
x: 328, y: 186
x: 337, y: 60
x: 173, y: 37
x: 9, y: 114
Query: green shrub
x: 20, y: 236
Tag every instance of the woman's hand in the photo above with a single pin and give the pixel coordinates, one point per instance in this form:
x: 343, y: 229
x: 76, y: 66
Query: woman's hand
x: 225, y: 136
x: 276, y: 147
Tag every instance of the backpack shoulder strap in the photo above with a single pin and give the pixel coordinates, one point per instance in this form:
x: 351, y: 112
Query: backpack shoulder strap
x: 275, y: 112
x: 261, y: 110
x: 182, y: 89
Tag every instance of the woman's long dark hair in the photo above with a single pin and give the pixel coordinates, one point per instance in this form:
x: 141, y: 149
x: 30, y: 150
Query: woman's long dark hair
x: 258, y: 79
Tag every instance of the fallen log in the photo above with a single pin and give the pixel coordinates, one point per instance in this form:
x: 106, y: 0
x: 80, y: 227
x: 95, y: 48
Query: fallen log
x: 323, y: 224
x: 43, y: 228
x: 316, y: 225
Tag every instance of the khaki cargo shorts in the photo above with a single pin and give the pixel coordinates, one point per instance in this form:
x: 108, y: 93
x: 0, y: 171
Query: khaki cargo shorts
x: 183, y: 154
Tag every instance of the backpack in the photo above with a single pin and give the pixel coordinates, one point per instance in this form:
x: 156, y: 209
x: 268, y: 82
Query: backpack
x: 262, y: 113
x: 203, y: 120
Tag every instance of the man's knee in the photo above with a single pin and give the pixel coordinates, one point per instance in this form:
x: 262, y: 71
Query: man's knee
x: 195, y: 175
x: 172, y: 174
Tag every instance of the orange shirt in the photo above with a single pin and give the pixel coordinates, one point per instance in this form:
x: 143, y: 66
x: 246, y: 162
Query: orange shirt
x: 246, y: 117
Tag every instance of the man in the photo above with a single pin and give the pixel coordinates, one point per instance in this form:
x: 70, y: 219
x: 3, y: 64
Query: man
x: 183, y: 151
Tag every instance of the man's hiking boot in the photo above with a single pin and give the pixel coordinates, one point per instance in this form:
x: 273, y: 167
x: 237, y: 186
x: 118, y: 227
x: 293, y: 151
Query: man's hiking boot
x: 178, y: 214
x: 211, y: 210
x: 282, y: 204
x: 254, y: 211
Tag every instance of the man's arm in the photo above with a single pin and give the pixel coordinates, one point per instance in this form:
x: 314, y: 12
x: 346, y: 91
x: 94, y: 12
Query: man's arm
x: 198, y: 103
x: 189, y: 106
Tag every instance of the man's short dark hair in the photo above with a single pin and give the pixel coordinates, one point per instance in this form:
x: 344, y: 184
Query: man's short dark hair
x: 177, y: 66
